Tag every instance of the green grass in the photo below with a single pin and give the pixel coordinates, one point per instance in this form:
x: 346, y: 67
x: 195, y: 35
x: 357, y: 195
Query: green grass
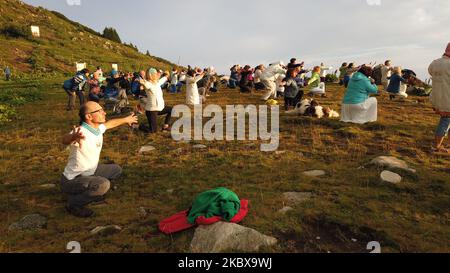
x: 349, y: 203
x: 62, y: 43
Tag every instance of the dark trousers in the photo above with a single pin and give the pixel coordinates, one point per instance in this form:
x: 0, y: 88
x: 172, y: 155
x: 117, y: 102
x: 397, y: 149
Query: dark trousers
x: 152, y: 117
x: 80, y: 95
x: 84, y: 190
x: 8, y: 77
x: 259, y: 86
x: 293, y: 101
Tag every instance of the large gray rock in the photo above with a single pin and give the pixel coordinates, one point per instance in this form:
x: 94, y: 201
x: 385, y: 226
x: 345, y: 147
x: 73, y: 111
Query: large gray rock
x: 223, y: 236
x: 390, y: 177
x: 295, y: 198
x: 392, y: 163
x: 30, y: 222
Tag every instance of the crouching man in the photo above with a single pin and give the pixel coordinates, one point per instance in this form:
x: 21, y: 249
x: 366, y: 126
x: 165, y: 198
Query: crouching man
x: 84, y: 180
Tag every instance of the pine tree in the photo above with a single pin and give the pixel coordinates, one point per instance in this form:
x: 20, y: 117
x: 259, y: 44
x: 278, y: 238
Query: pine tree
x: 111, y: 34
x: 148, y: 53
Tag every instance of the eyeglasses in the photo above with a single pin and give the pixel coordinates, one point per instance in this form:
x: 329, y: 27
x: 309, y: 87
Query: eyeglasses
x: 100, y: 110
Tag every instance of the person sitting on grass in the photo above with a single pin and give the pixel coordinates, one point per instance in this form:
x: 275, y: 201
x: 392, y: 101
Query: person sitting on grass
x: 155, y: 105
x: 84, y: 180
x: 314, y: 84
x: 440, y: 97
x: 395, y: 84
x: 357, y: 106
x: 246, y: 83
x: 292, y: 92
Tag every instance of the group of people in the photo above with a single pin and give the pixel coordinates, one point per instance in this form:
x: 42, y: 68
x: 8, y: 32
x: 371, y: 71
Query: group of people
x: 280, y: 80
x: 85, y: 181
x: 359, y: 107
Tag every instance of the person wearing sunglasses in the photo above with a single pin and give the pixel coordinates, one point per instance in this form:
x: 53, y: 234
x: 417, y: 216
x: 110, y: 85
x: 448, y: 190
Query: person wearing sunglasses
x: 84, y: 180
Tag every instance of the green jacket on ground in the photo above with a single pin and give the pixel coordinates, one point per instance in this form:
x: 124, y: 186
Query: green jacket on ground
x: 218, y: 202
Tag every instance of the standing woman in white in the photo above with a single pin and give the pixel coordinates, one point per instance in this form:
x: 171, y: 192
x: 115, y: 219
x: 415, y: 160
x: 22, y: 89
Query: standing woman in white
x: 192, y: 95
x: 155, y: 105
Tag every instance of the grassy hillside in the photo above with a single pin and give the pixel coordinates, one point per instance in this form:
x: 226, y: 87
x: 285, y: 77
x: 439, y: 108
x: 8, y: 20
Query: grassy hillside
x: 62, y: 43
x: 349, y: 203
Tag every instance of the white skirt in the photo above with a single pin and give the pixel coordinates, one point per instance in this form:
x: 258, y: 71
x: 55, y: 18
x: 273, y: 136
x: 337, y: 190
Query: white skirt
x: 360, y: 113
x: 318, y: 90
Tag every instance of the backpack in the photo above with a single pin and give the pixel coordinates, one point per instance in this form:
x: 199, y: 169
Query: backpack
x: 68, y: 84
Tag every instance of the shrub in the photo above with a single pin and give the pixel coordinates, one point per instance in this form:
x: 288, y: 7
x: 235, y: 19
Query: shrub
x: 331, y: 78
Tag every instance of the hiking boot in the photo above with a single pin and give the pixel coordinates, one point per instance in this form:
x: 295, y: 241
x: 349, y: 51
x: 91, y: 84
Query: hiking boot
x: 99, y: 200
x: 81, y: 212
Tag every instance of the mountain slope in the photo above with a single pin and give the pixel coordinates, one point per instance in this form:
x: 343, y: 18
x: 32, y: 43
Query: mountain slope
x: 61, y: 44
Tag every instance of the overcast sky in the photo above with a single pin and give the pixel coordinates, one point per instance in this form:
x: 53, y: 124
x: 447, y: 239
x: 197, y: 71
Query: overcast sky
x: 225, y: 32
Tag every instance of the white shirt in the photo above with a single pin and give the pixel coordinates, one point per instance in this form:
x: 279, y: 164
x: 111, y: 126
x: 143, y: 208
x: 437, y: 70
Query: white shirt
x: 155, y: 99
x: 324, y: 71
x: 257, y: 77
x: 192, y: 96
x: 385, y: 73
x: 440, y: 71
x: 84, y: 161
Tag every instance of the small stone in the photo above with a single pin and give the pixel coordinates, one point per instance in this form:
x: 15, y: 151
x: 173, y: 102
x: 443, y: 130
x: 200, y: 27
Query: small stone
x: 392, y: 163
x: 317, y: 238
x: 295, y: 198
x: 314, y: 173
x: 354, y: 240
x: 390, y: 177
x: 146, y: 149
x: 142, y: 212
x: 280, y: 152
x: 48, y: 186
x: 30, y: 222
x: 285, y: 210
x: 106, y: 230
x: 199, y: 146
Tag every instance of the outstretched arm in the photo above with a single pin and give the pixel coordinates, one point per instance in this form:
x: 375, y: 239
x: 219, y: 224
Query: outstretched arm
x: 111, y: 124
x: 76, y: 136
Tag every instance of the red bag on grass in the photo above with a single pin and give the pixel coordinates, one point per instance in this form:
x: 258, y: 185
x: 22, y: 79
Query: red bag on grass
x: 179, y: 221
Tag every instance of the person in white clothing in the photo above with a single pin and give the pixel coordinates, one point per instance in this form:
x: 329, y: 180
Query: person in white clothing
x: 386, y: 73
x: 84, y: 180
x: 155, y: 105
x: 440, y: 97
x: 192, y: 95
x: 324, y: 71
x: 269, y: 77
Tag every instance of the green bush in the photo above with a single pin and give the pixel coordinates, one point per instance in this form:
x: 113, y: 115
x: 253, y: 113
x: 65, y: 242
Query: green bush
x: 331, y: 78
